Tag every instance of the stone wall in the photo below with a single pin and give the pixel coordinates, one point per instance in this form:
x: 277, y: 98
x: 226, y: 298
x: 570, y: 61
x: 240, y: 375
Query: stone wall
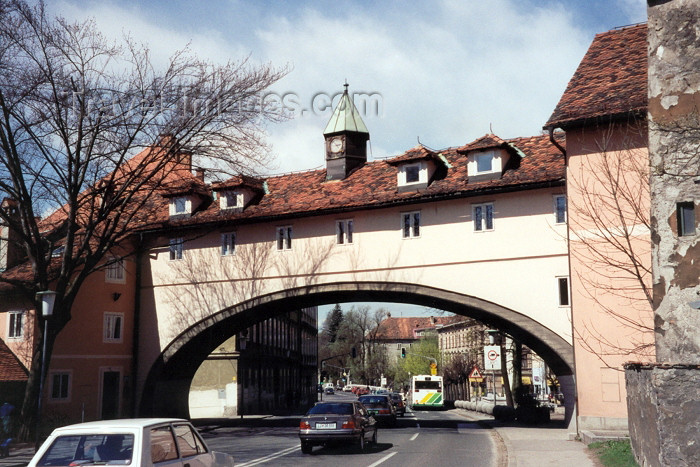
x: 663, y: 399
x: 663, y: 404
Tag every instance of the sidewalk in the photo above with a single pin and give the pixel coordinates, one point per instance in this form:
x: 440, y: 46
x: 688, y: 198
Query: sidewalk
x: 20, y: 455
x: 535, y: 446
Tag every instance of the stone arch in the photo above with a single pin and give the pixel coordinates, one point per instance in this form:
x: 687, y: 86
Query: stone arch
x: 166, y: 389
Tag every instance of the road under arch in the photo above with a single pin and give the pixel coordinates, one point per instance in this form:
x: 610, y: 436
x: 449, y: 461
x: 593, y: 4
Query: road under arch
x: 166, y: 390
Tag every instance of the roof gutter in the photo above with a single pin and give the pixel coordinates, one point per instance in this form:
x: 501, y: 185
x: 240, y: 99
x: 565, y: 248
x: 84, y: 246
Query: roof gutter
x: 553, y: 140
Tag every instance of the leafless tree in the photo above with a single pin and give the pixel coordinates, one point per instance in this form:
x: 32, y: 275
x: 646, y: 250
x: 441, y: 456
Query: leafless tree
x: 75, y: 108
x: 609, y: 225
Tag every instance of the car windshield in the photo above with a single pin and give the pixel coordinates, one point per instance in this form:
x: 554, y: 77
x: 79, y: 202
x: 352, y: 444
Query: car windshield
x: 96, y: 449
x: 371, y: 400
x: 338, y: 409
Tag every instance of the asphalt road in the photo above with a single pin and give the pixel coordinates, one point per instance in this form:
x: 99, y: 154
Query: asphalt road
x: 423, y: 438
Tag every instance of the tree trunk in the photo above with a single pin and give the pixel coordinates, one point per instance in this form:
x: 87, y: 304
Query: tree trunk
x: 504, y: 374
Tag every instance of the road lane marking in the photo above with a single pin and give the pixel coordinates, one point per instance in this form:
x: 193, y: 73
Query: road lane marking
x: 385, y: 458
x: 414, y: 436
x: 270, y: 457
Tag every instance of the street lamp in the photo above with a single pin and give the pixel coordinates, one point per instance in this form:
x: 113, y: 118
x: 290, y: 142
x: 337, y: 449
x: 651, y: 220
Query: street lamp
x: 48, y: 298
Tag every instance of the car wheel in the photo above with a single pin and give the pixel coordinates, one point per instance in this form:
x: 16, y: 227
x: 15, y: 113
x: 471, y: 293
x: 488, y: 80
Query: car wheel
x: 306, y: 448
x: 374, y: 437
x: 362, y: 441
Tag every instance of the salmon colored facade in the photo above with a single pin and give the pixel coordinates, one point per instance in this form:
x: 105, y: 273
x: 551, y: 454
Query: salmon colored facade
x: 603, y: 112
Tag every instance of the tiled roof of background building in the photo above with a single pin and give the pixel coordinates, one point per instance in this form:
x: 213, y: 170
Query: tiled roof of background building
x: 10, y: 367
x: 404, y: 328
x: 611, y: 80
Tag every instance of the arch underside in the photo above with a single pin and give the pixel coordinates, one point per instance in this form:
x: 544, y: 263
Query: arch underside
x: 167, y: 385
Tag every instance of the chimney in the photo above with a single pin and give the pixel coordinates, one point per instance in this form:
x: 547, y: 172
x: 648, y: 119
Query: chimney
x: 199, y: 173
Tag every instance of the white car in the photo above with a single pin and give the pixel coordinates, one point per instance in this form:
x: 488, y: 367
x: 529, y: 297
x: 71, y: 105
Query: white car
x: 140, y: 442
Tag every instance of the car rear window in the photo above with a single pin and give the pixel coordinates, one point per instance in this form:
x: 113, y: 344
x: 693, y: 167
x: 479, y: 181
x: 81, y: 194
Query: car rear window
x: 373, y: 400
x: 339, y: 409
x: 112, y: 449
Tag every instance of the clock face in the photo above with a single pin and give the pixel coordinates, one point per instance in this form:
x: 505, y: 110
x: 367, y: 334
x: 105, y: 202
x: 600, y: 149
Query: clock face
x: 336, y: 145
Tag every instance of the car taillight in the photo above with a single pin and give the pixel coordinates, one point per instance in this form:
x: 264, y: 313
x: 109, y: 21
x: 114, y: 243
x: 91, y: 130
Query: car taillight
x: 439, y: 390
x: 304, y: 426
x: 349, y: 424
x: 384, y: 411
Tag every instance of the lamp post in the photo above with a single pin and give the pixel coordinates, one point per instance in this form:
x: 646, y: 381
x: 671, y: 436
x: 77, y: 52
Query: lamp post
x: 48, y: 298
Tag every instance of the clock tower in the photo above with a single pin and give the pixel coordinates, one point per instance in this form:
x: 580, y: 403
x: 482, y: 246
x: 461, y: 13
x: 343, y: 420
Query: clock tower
x: 346, y: 139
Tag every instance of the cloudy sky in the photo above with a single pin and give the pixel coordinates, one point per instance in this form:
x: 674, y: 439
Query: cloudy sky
x: 442, y: 72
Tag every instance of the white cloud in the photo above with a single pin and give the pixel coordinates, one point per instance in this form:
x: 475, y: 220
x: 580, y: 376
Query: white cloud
x: 446, y: 71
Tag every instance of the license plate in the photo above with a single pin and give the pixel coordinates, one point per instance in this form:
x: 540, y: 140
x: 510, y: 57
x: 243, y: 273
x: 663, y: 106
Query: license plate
x: 325, y: 426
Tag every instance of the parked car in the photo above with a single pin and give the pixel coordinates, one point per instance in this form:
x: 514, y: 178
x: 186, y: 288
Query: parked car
x: 336, y: 422
x: 380, y: 407
x: 399, y: 404
x: 329, y: 390
x: 137, y: 442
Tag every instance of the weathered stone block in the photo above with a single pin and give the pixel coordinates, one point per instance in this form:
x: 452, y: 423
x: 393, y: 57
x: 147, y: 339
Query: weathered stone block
x: 663, y: 403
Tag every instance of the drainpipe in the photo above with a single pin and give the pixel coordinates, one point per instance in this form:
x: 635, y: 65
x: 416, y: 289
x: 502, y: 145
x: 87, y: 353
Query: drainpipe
x: 553, y: 140
x: 136, y: 326
x: 574, y: 415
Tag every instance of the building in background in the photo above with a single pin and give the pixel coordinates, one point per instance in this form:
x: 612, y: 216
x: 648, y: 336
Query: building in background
x: 268, y: 368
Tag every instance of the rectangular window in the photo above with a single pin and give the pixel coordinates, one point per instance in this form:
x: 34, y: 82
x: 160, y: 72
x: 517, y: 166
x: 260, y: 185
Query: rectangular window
x: 230, y: 200
x: 412, y: 173
x: 113, y: 325
x: 484, y: 163
x: 344, y: 231
x: 284, y: 237
x: 560, y: 209
x: 115, y: 271
x: 563, y: 287
x: 176, y: 245
x: 483, y: 217
x: 60, y: 386
x: 686, y: 218
x: 16, y: 329
x: 411, y: 224
x: 180, y: 205
x: 228, y: 244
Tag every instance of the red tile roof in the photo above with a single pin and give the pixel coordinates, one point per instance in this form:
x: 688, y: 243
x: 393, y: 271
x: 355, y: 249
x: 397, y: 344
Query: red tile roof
x: 374, y: 185
x: 10, y: 367
x: 416, y: 154
x: 405, y: 328
x: 611, y: 80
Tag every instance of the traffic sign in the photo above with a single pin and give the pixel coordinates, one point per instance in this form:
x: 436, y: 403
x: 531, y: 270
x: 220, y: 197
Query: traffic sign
x: 475, y: 373
x: 492, y: 357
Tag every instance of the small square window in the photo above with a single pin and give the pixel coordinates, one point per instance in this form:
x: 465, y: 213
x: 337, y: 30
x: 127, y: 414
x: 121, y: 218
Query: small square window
x: 228, y: 244
x: 344, y: 232
x: 412, y: 173
x: 484, y: 163
x: 16, y: 325
x: 115, y: 271
x: 176, y: 247
x: 560, y: 209
x: 411, y: 224
x: 113, y: 326
x: 180, y: 205
x: 563, y: 288
x: 231, y: 200
x: 685, y: 213
x: 60, y: 386
x: 284, y: 237
x: 483, y: 217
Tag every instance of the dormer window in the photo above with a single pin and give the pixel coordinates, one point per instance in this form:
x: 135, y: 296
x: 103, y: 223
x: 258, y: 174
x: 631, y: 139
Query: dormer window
x: 484, y: 162
x: 411, y: 174
x: 180, y: 205
x: 231, y: 200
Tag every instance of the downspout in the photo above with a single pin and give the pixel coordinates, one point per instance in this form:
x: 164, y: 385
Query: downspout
x: 553, y: 140
x: 574, y: 416
x: 136, y: 326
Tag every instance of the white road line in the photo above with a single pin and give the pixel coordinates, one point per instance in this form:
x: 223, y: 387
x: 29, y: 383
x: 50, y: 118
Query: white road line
x: 385, y: 458
x: 270, y: 457
x: 414, y: 436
